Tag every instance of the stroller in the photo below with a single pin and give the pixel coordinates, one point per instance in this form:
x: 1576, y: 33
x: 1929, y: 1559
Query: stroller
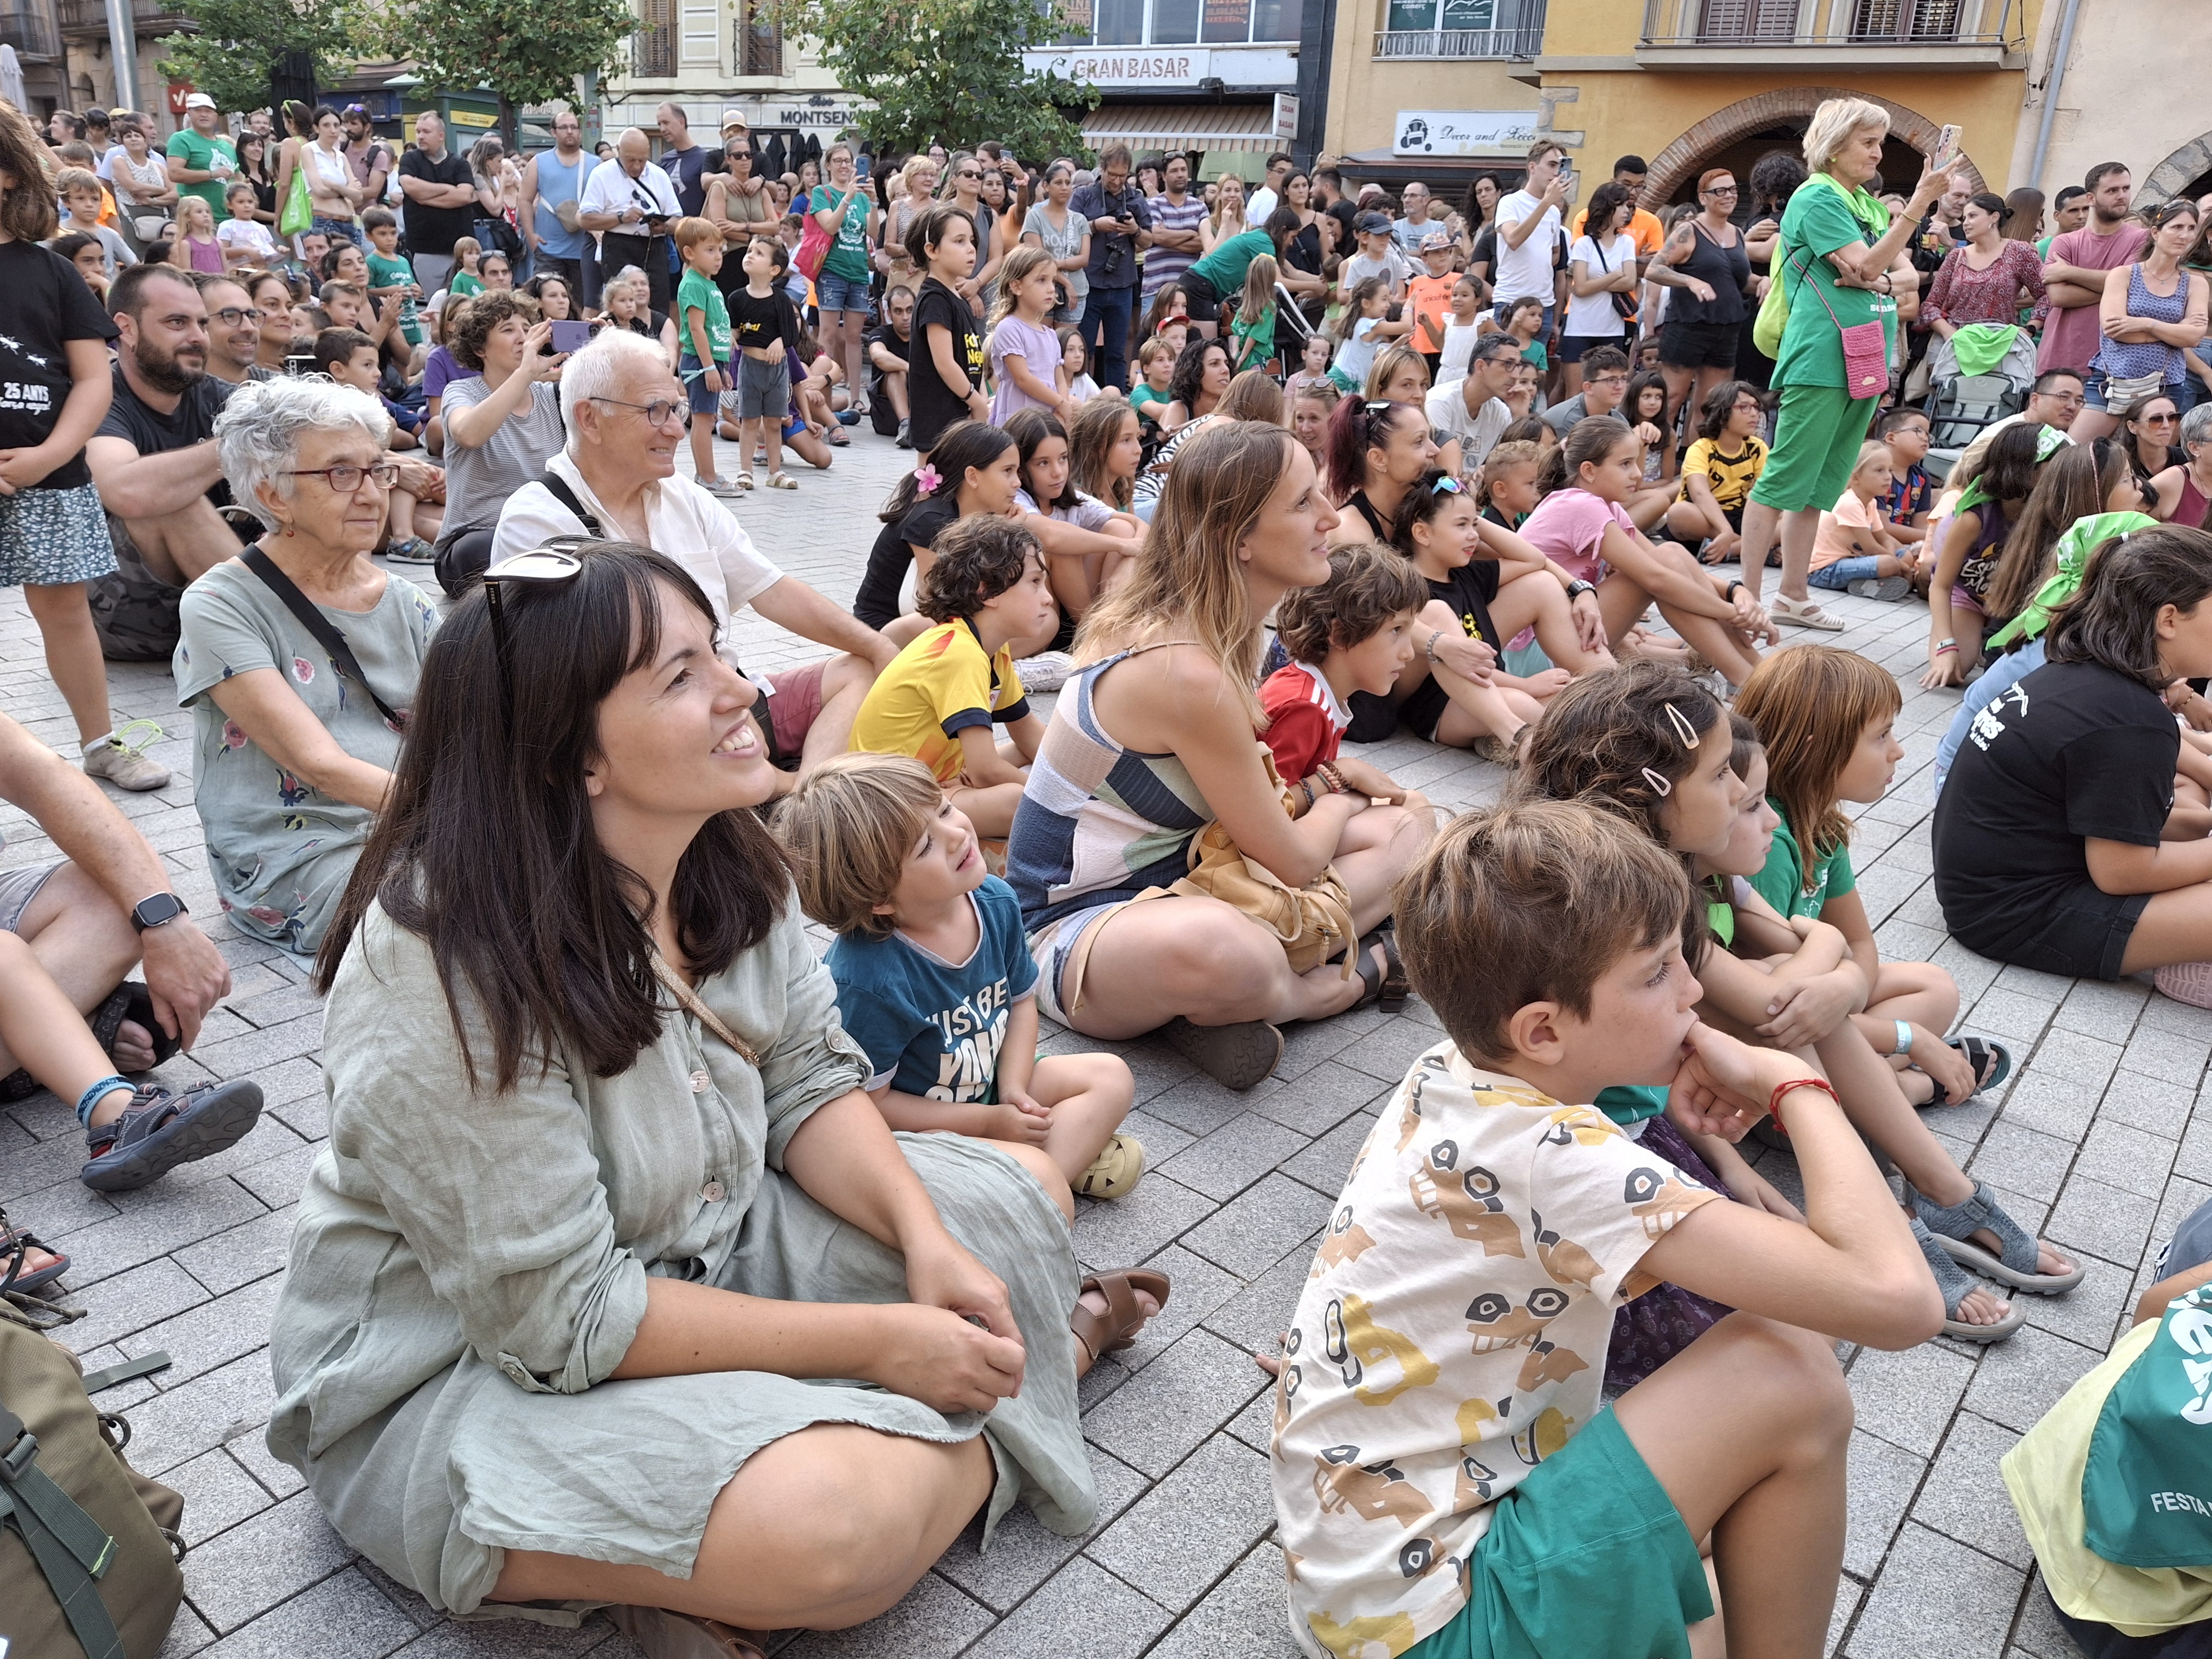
x: 1960, y: 405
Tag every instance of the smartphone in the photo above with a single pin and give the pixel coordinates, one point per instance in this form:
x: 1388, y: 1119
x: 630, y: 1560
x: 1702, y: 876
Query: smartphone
x: 863, y: 164
x: 1567, y: 180
x: 1945, y: 155
x: 571, y: 336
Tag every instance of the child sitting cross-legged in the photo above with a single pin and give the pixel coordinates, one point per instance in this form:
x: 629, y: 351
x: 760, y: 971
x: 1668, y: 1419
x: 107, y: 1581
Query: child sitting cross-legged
x: 941, y: 696
x: 934, y: 977
x: 1854, y: 549
x: 1447, y: 1479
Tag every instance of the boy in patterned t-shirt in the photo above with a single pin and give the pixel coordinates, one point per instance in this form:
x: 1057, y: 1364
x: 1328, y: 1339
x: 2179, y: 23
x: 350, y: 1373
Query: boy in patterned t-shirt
x: 1446, y: 1482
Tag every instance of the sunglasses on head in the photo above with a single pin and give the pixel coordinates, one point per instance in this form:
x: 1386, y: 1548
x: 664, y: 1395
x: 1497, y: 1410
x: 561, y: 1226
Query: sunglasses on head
x: 543, y: 567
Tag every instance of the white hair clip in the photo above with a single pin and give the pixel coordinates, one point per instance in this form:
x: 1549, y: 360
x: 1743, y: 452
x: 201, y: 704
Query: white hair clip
x: 1659, y: 784
x: 1682, y: 727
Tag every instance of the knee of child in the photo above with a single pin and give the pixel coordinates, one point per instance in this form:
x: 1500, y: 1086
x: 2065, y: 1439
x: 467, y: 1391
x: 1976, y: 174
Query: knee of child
x: 1050, y: 1175
x: 1797, y: 1371
x: 16, y: 957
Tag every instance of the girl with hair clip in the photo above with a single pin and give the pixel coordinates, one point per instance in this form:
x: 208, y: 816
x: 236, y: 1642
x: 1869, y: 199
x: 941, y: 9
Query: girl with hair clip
x: 1583, y: 525
x: 980, y: 471
x: 2060, y: 842
x: 1973, y: 538
x: 1650, y: 744
x: 1359, y: 331
x: 1376, y: 449
x: 1085, y: 542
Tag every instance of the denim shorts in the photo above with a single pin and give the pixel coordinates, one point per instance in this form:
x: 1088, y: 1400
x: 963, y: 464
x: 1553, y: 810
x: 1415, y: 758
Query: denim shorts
x: 693, y: 374
x: 835, y: 292
x: 763, y: 389
x: 1844, y: 572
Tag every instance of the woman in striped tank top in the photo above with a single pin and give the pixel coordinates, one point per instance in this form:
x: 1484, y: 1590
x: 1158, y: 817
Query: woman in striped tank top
x: 1138, y: 759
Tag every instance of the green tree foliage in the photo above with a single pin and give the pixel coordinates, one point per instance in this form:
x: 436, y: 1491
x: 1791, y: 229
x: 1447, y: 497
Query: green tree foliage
x: 527, y: 52
x: 947, y: 71
x: 230, y: 57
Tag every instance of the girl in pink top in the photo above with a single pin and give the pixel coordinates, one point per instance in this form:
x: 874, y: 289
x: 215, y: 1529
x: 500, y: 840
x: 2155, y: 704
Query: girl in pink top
x: 1024, y: 351
x: 1581, y: 525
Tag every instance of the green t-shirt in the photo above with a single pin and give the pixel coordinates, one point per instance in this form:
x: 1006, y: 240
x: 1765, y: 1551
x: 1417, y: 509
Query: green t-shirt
x: 698, y: 293
x: 1142, y: 397
x: 196, y: 152
x: 1632, y: 1103
x: 1816, y: 223
x: 848, y: 249
x: 1782, y: 882
x: 1223, y: 269
x: 461, y: 285
x: 390, y: 270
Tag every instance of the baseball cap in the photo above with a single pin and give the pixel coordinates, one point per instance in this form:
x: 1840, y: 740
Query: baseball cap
x: 1166, y: 322
x: 199, y: 100
x: 732, y: 118
x: 1372, y: 224
x: 1434, y: 240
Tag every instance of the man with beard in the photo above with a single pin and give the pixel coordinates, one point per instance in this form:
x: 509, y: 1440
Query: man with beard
x: 234, y: 329
x: 370, y: 160
x: 154, y: 460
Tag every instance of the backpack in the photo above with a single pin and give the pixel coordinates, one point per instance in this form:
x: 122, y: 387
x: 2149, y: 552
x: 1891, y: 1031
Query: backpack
x: 88, y: 1547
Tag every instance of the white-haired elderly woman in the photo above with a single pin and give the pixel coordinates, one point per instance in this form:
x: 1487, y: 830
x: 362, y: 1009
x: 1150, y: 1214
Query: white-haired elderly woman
x: 1835, y: 251
x: 297, y: 746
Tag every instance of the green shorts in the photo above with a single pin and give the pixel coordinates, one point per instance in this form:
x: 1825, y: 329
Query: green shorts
x: 1588, y: 1555
x: 1817, y: 434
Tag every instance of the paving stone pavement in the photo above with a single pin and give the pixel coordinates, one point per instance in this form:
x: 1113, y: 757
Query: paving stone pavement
x: 2100, y: 1135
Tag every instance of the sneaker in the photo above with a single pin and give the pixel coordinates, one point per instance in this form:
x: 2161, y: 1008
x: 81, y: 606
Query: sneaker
x: 159, y: 1130
x: 724, y: 488
x: 1046, y: 672
x: 1803, y: 613
x: 122, y: 761
x: 1890, y: 589
x: 904, y: 440
x: 413, y: 550
x: 850, y: 416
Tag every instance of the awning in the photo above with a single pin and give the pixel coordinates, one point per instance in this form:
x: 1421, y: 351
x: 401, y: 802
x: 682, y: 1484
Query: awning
x: 1382, y: 164
x: 1180, y: 127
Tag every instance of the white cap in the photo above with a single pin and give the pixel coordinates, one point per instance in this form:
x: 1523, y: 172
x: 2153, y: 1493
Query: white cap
x: 199, y: 100
x: 732, y: 118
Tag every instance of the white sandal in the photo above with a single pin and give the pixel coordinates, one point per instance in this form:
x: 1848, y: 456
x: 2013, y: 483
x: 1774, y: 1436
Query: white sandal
x: 782, y: 480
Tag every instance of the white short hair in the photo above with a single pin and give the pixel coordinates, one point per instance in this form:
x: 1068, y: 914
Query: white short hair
x: 1833, y: 124
x: 597, y: 371
x: 257, y: 434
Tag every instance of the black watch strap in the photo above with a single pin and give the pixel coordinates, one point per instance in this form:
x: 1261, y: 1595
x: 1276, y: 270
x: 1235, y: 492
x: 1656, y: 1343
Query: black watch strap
x: 156, y: 910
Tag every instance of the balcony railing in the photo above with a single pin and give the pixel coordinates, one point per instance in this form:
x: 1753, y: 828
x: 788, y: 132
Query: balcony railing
x: 1770, y: 25
x: 29, y: 26
x: 147, y: 17
x: 759, y: 41
x: 1517, y: 43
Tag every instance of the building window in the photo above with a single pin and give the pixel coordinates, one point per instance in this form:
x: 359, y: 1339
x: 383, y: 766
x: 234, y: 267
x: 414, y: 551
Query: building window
x: 1463, y: 29
x: 760, y: 41
x: 1748, y: 19
x: 652, y: 48
x: 1184, y: 22
x: 1442, y: 15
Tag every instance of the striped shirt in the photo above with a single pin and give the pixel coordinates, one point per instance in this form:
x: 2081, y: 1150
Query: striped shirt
x: 1098, y: 822
x: 1165, y: 265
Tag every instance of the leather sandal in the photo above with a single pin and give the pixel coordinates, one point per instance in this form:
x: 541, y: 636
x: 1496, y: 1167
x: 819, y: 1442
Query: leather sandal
x: 659, y: 1634
x: 16, y: 1244
x: 1117, y: 1329
x: 1116, y: 1171
x: 1990, y: 1063
x: 1386, y: 987
x: 1236, y: 1055
x: 130, y: 1000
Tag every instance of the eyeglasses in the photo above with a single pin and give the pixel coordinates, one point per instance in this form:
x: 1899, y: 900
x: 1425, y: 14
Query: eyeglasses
x: 656, y: 413
x: 231, y: 316
x: 1721, y: 190
x: 344, y: 480
x: 548, y: 567
x: 1607, y: 380
x: 2070, y: 399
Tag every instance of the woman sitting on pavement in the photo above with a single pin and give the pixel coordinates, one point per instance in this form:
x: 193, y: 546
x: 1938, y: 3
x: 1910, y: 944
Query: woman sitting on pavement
x: 502, y: 425
x: 575, y: 1276
x: 1138, y: 760
x: 295, y: 749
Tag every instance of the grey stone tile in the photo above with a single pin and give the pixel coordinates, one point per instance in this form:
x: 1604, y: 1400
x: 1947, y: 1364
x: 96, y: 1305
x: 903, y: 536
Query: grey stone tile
x: 1850, y: 1593
x: 1250, y: 1234
x: 1123, y: 1231
x: 1256, y: 1317
x: 217, y: 1494
x: 1084, y: 1609
x: 1390, y: 1053
x: 935, y: 1621
x: 2102, y: 1220
x: 1199, y: 1105
x: 2147, y: 1102
x: 2177, y: 1056
x: 1180, y: 1536
x: 1196, y: 1287
x: 2022, y: 1161
x: 1907, y: 1397
x: 1326, y: 1163
x: 2133, y: 1160
x: 188, y: 1635
x: 1255, y: 1425
x: 1224, y: 1163
x: 211, y: 1335
x: 2165, y: 1014
x: 203, y: 1414
x: 130, y: 1301
x: 2107, y: 1012
x: 1930, y: 1583
x: 1242, y: 1615
x: 251, y: 1251
x: 2051, y: 987
x: 240, y: 1054
x: 1100, y: 1381
x: 341, y: 1619
x: 1315, y: 1102
x: 1022, y: 1554
x: 251, y: 1452
x: 512, y: 1638
x: 1162, y: 1139
x: 1307, y: 1045
x: 1159, y: 1418
x: 2052, y: 1101
x: 1956, y: 1500
x: 167, y: 1219
x: 2089, y: 1313
x: 2039, y: 1634
x: 1882, y: 1480
x: 2007, y: 1014
x: 271, y: 1556
x: 2021, y: 1379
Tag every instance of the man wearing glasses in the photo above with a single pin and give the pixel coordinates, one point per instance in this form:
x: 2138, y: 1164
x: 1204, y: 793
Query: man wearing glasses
x: 617, y: 478
x: 234, y: 332
x: 2057, y: 399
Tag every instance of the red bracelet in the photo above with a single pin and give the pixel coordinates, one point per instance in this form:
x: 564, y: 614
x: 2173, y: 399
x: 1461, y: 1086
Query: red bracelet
x: 1774, y: 1100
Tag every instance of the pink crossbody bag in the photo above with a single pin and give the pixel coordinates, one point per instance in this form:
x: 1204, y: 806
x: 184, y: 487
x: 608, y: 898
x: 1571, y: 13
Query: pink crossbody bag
x: 1866, y: 350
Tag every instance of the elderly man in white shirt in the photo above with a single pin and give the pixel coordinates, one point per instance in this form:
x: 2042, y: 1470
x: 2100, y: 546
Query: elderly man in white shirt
x: 630, y: 207
x: 626, y: 415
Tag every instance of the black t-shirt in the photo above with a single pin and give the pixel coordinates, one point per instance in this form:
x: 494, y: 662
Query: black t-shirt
x: 152, y: 433
x: 44, y: 303
x: 687, y: 170
x: 877, y: 602
x: 900, y: 346
x: 434, y: 230
x: 1468, y: 591
x: 758, y: 318
x: 2072, y: 750
x: 933, y: 403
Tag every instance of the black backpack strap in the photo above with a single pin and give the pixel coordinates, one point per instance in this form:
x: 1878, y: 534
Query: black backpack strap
x: 558, y: 487
x: 317, y: 624
x: 69, y: 1546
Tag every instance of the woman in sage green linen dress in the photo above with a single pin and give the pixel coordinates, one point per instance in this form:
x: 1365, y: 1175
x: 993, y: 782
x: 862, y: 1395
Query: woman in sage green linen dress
x: 611, y: 1285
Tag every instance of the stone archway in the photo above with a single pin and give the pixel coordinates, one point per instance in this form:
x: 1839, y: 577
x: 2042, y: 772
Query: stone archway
x: 1676, y: 165
x: 2180, y: 170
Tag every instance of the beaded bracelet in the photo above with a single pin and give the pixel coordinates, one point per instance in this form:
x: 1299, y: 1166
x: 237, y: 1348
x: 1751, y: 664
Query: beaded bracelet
x: 1774, y: 1100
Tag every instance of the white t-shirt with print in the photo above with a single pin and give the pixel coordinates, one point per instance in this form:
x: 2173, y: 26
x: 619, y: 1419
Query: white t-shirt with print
x: 1451, y: 1336
x: 1593, y: 314
x: 1526, y: 270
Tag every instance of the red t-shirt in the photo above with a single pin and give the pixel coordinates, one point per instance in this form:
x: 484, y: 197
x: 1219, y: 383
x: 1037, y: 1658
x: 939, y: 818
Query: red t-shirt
x: 1305, y: 721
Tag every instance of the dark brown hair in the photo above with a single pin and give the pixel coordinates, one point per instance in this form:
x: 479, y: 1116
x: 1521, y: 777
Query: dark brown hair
x: 2112, y: 621
x: 486, y: 847
x: 28, y: 212
x: 2075, y: 484
x: 486, y: 312
x: 976, y: 559
x: 1369, y: 584
x: 1533, y: 901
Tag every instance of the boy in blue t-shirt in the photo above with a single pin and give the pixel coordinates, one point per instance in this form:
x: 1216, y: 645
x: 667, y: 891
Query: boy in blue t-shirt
x: 934, y: 975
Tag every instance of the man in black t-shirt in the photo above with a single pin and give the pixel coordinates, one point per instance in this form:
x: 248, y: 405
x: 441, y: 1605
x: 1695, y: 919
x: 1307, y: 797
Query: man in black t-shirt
x: 686, y: 162
x: 154, y: 459
x: 440, y: 202
x: 890, y: 344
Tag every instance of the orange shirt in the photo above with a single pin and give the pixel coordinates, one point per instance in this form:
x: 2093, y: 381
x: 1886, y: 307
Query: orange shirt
x: 1428, y: 300
x: 1642, y: 225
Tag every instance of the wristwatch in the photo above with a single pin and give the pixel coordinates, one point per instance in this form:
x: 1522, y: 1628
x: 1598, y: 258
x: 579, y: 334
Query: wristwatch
x: 1577, y: 587
x: 158, y: 911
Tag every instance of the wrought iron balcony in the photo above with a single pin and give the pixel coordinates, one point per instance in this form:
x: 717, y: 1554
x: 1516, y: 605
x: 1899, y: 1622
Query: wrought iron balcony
x: 147, y: 18
x: 1894, y: 34
x: 1509, y: 43
x: 29, y: 26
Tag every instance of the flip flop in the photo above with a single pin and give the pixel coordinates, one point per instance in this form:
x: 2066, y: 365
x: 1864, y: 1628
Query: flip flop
x: 1236, y: 1055
x: 1992, y: 1063
x: 2014, y: 1261
x: 1123, y: 1319
x: 15, y: 1245
x: 659, y: 1634
x: 1116, y: 1171
x: 1954, y: 1284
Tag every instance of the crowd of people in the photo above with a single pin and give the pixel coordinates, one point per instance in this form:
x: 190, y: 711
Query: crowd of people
x: 1251, y: 474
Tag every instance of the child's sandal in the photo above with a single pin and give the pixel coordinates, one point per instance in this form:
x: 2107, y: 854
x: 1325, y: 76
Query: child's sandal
x: 1954, y: 1284
x: 782, y: 480
x: 1990, y: 1063
x: 1116, y: 1171
x: 2014, y: 1263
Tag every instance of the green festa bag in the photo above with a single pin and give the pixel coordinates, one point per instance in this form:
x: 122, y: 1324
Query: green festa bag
x: 2147, y: 1489
x: 299, y: 209
x: 88, y: 1547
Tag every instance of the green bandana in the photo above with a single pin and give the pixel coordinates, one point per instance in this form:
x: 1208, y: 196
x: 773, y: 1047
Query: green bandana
x: 1979, y: 348
x: 2084, y: 538
x: 1870, y: 212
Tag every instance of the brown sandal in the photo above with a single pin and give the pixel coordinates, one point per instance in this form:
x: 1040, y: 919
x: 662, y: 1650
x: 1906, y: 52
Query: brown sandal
x: 1124, y: 1318
x: 659, y: 1634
